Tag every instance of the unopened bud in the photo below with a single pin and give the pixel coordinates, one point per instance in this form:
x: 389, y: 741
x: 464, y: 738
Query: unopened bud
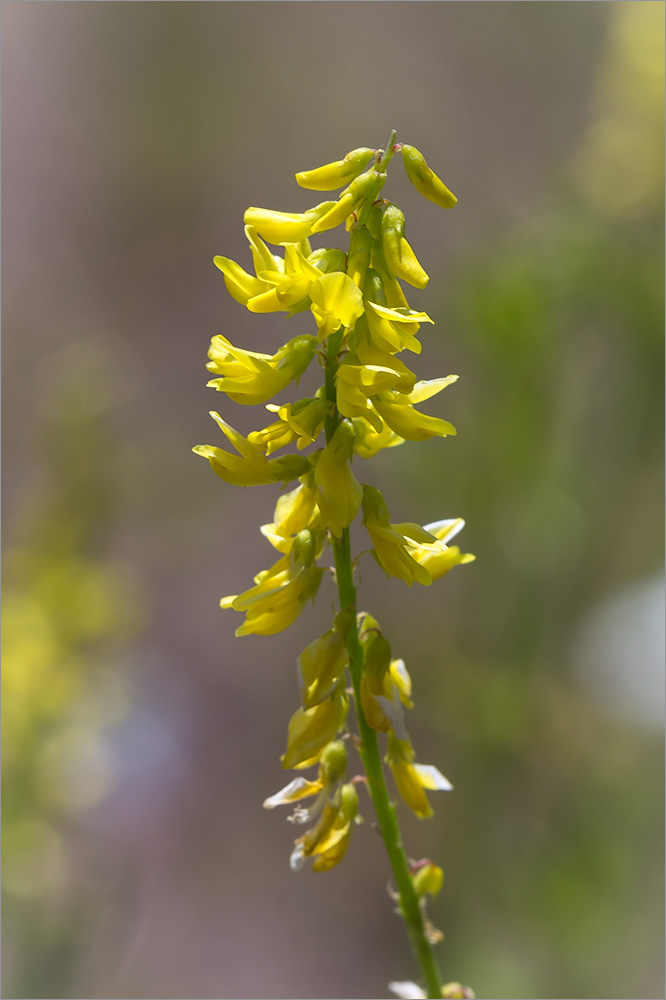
x: 456, y: 991
x: 333, y: 761
x: 425, y: 180
x: 428, y: 880
x: 336, y: 174
x: 359, y: 255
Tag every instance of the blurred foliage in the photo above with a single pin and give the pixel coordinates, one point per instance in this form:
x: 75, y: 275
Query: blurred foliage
x: 561, y: 328
x: 67, y: 611
x: 553, y: 841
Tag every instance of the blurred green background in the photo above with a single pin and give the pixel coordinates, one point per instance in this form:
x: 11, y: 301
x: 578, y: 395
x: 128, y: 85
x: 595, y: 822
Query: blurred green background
x: 140, y: 738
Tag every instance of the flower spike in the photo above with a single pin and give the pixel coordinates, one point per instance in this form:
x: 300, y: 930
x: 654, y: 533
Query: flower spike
x: 355, y: 318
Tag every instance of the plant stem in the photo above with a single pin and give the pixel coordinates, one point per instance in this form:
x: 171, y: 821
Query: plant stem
x: 369, y: 749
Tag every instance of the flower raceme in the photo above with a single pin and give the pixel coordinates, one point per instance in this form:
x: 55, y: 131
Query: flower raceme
x: 360, y: 322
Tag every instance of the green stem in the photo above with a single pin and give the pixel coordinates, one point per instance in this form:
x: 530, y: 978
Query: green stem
x: 369, y: 749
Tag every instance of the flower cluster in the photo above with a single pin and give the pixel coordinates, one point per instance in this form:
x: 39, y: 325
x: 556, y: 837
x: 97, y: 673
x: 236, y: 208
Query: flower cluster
x: 361, y: 323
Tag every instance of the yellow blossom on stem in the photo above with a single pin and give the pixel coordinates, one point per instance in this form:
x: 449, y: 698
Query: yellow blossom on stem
x: 250, y: 467
x: 339, y: 492
x: 413, y: 780
x: 336, y: 174
x: 249, y: 377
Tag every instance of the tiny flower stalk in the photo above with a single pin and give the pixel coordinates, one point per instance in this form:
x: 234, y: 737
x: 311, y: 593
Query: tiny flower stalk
x: 361, y: 321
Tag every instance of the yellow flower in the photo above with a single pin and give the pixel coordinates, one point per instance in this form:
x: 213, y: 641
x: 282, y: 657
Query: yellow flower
x: 392, y: 541
x: 388, y: 290
x: 336, y: 302
x: 358, y: 259
x: 294, y: 511
x: 336, y: 174
x: 249, y: 377
x: 394, y: 330
x: 280, y: 593
x: 368, y: 441
x: 424, y: 180
x: 367, y: 352
x: 323, y: 662
x: 241, y: 285
x: 413, y: 780
x: 250, y: 467
x: 328, y: 840
x: 440, y: 561
x: 332, y: 766
x: 289, y: 286
x: 305, y: 418
x: 350, y: 199
x: 285, y: 227
x: 311, y: 729
x: 355, y: 382
x: 339, y: 492
x: 397, y: 410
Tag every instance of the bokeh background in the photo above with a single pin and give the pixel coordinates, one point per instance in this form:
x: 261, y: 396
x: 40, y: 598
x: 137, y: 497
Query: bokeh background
x: 140, y: 737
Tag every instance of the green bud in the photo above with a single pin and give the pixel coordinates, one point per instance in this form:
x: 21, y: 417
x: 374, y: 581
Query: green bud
x: 373, y: 286
x: 456, y: 991
x: 303, y: 548
x: 358, y: 260
x: 428, y: 880
x: 400, y: 257
x: 333, y: 761
x: 424, y: 180
x: 348, y: 802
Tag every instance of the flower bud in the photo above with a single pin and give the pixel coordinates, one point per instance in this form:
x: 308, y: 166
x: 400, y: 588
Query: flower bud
x: 424, y: 180
x: 336, y: 174
x: 400, y: 258
x: 333, y: 762
x: 323, y: 662
x: 350, y: 199
x: 428, y: 879
x: 456, y: 991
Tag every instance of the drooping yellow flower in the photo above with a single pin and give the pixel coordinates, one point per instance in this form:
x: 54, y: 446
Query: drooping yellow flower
x: 305, y: 417
x: 392, y: 542
x: 328, y: 840
x: 285, y: 227
x: 413, y: 780
x: 311, y: 729
x: 250, y: 467
x: 332, y: 766
x: 289, y: 286
x: 323, y: 662
x: 368, y: 441
x: 440, y: 561
x: 336, y: 302
x: 243, y: 286
x: 398, y: 411
x: 339, y: 492
x: 294, y: 511
x: 334, y: 175
x: 356, y: 382
x: 394, y: 330
x: 280, y: 593
x: 367, y: 352
x: 249, y: 377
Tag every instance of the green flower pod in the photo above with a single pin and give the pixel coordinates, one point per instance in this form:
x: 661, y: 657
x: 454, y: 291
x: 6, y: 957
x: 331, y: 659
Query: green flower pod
x: 425, y: 180
x: 336, y: 174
